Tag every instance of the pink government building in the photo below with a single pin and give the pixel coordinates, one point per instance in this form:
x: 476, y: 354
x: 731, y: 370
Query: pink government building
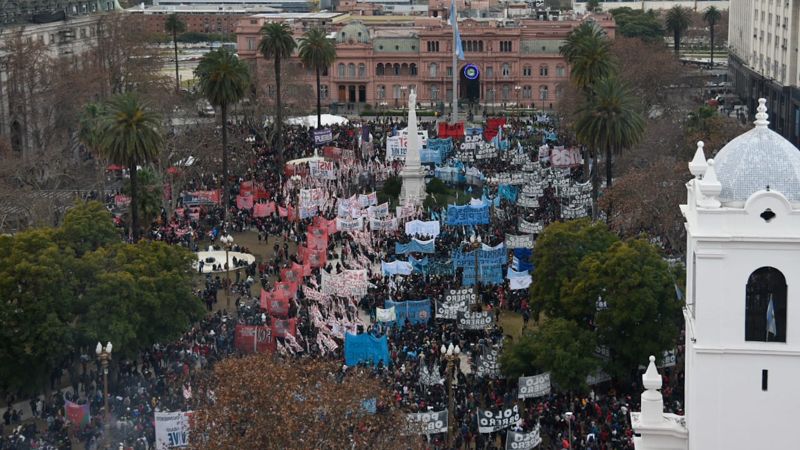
x: 508, y: 61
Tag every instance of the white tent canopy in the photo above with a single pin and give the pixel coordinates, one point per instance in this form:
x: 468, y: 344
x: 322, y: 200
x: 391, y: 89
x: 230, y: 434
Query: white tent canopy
x: 311, y: 121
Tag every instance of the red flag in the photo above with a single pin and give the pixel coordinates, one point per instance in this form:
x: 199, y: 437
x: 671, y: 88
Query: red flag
x: 254, y: 338
x: 77, y: 415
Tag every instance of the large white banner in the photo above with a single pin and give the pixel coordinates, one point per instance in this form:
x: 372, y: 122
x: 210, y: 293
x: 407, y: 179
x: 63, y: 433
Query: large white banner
x: 350, y: 225
x: 519, y: 241
x: 420, y: 228
x: 535, y: 386
x: 172, y: 430
x: 397, y: 146
x: 523, y: 441
x: 490, y: 421
x: 427, y: 423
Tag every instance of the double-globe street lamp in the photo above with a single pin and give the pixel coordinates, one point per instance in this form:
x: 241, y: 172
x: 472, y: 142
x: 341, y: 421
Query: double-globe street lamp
x: 473, y: 245
x: 451, y: 355
x: 104, y: 355
x: 227, y: 241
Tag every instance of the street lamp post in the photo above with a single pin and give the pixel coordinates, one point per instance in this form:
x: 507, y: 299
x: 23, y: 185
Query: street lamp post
x: 569, y: 416
x: 451, y: 355
x: 403, y: 89
x: 473, y: 245
x: 104, y: 355
x: 517, y: 88
x: 227, y: 241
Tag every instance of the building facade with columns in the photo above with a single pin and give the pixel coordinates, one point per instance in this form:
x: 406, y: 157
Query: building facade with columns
x: 378, y: 60
x: 743, y: 243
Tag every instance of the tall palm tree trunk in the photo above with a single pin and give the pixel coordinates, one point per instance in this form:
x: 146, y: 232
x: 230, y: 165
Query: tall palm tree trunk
x: 319, y: 103
x: 134, y: 205
x: 677, y: 37
x: 712, y: 46
x: 175, y: 46
x: 278, y: 114
x: 608, y: 167
x: 225, y: 190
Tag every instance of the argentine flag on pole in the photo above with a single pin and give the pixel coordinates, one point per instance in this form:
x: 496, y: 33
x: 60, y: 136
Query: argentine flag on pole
x: 453, y: 21
x: 771, y: 326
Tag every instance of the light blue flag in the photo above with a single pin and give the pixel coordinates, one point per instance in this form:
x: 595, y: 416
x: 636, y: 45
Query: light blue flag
x: 453, y: 21
x: 771, y: 325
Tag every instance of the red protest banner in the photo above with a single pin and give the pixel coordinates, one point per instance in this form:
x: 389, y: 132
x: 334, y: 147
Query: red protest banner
x: 284, y: 327
x: 254, y: 338
x: 492, y: 125
x: 455, y: 130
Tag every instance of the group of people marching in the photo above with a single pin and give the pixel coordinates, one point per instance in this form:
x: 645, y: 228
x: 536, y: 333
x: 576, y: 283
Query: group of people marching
x: 175, y: 376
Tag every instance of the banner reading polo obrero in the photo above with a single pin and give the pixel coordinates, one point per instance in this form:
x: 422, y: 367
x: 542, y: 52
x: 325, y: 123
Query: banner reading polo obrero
x: 487, y: 364
x: 172, y: 429
x: 523, y: 441
x: 529, y: 227
x: 519, y: 241
x: 427, y: 422
x: 468, y: 320
x: 535, y: 386
x: 454, y: 302
x: 490, y: 420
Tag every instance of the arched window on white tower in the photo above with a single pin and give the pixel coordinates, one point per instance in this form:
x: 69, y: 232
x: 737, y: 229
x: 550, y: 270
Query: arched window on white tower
x: 765, y: 306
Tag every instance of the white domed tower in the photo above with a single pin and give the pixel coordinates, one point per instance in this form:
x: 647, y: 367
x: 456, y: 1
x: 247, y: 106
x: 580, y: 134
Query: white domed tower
x: 743, y: 270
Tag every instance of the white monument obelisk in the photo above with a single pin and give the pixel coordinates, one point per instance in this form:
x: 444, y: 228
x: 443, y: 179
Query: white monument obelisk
x: 413, y: 191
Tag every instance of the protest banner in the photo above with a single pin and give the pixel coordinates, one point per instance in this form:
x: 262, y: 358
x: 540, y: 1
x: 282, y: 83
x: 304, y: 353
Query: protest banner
x: 455, y: 130
x: 196, y: 198
x: 519, y: 241
x: 468, y: 320
x: 492, y: 126
x: 263, y: 209
x: 360, y: 348
x: 488, y: 365
x: 324, y: 170
x: 350, y: 224
x: 597, y: 377
x: 527, y: 202
x: 383, y: 224
x: 396, y: 268
x: 467, y: 215
x: 415, y: 246
x: 561, y: 157
x: 284, y: 327
x: 573, y: 212
x: 322, y: 136
x: 172, y: 429
x: 77, y: 415
x: 534, y: 386
x: 668, y: 359
x: 253, y: 339
x: 529, y: 227
x: 378, y: 211
x: 428, y: 378
x: 430, y: 422
x: 385, y: 315
x: 490, y: 421
x: 437, y: 151
x: 523, y: 441
x: 422, y: 228
x: 416, y: 311
x: 454, y: 302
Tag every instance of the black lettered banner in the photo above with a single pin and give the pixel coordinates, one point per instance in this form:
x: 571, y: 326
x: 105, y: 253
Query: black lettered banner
x: 535, y: 386
x: 468, y: 320
x: 490, y: 420
x: 427, y: 423
x: 487, y: 364
x: 523, y: 441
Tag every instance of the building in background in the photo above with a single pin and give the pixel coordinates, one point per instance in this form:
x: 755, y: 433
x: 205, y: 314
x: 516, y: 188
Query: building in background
x: 198, y: 18
x: 763, y: 39
x: 380, y: 58
x: 283, y: 5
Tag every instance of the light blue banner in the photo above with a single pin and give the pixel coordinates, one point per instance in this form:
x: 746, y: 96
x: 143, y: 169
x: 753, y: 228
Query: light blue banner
x: 360, y: 348
x: 437, y: 151
x: 416, y: 311
x: 467, y: 215
x: 415, y: 246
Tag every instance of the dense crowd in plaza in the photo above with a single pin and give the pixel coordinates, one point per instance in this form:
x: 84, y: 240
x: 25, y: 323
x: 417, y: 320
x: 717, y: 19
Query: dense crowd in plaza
x: 175, y: 376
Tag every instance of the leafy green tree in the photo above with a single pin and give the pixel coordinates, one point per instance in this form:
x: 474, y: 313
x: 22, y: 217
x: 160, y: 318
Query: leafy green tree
x: 130, y: 135
x: 143, y: 296
x: 711, y: 16
x: 638, y: 24
x: 319, y: 52
x: 277, y: 43
x: 639, y: 314
x: 559, y: 250
x: 87, y: 227
x: 175, y: 25
x: 558, y: 346
x: 677, y: 22
x: 223, y: 80
x: 151, y: 194
x: 36, y: 285
x: 608, y: 122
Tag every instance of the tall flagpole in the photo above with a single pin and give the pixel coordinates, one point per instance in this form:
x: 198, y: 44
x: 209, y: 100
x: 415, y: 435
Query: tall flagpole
x: 454, y: 19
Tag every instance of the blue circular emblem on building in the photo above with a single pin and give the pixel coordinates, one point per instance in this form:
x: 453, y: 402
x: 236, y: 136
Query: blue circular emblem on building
x: 471, y: 72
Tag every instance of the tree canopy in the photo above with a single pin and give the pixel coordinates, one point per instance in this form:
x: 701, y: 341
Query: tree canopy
x: 68, y: 287
x: 635, y: 23
x: 263, y: 401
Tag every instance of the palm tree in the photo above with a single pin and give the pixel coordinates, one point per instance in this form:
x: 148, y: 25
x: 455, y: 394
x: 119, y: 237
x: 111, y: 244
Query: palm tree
x: 277, y: 43
x: 711, y: 16
x: 319, y: 52
x: 677, y: 22
x: 130, y: 135
x: 593, y: 62
x: 586, y: 30
x: 89, y: 126
x: 608, y: 122
x: 174, y: 25
x: 223, y: 80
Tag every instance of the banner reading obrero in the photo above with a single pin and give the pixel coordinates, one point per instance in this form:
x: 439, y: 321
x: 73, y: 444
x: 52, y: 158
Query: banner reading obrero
x: 492, y: 420
x: 172, y: 429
